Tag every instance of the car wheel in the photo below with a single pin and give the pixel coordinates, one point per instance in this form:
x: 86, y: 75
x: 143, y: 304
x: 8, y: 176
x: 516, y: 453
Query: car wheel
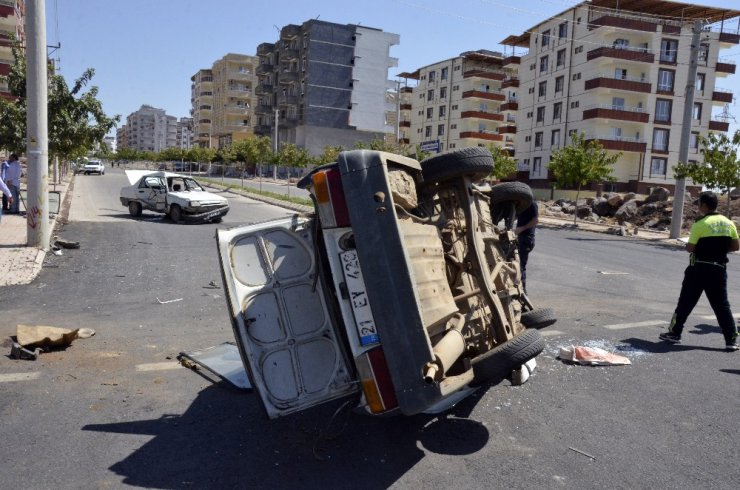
x: 475, y: 163
x: 134, y: 209
x: 517, y: 192
x: 175, y: 213
x: 498, y: 363
x: 217, y: 220
x: 540, y: 318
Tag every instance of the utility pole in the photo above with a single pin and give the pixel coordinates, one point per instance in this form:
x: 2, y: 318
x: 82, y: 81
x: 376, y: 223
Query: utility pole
x: 683, y: 151
x: 398, y: 111
x: 37, y: 142
x: 275, y: 145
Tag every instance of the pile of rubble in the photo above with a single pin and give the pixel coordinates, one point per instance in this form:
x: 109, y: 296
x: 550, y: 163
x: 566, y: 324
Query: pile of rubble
x: 627, y: 212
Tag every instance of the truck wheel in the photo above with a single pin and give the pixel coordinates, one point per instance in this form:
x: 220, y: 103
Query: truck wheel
x: 175, y: 213
x: 517, y: 192
x: 134, y: 209
x: 540, y: 318
x: 498, y: 363
x: 475, y: 162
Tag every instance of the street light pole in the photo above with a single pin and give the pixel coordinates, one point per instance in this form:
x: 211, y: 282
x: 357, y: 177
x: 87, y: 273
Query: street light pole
x: 37, y: 143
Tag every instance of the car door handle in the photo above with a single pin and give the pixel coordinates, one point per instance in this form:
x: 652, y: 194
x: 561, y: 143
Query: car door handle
x: 142, y: 192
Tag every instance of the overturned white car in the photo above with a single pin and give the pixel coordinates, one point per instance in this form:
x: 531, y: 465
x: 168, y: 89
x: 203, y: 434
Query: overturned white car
x: 178, y: 196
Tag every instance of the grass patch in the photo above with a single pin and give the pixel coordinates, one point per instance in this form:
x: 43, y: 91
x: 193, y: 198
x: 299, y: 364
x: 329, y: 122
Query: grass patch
x: 257, y: 192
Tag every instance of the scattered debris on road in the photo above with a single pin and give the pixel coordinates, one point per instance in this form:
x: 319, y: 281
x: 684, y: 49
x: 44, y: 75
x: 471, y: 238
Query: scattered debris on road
x: 41, y: 337
x: 63, y: 243
x: 591, y: 356
x: 581, y: 452
x: 169, y: 301
x: 212, y: 285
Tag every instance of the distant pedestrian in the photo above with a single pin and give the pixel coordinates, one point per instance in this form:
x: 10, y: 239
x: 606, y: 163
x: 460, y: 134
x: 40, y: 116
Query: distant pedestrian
x: 13, y: 180
x: 3, y: 167
x: 6, y: 194
x: 710, y: 239
x: 526, y: 222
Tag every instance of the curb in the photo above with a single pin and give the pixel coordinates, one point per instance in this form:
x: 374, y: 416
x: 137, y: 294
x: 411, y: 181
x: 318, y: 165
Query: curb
x: 300, y: 208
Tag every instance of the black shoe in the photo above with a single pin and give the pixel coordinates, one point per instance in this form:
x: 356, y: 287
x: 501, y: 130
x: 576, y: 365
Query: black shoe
x: 731, y: 346
x: 670, y: 337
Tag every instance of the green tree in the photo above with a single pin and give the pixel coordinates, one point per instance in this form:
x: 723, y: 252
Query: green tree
x: 582, y: 162
x: 76, y: 121
x: 721, y: 166
x: 329, y: 155
x: 503, y: 164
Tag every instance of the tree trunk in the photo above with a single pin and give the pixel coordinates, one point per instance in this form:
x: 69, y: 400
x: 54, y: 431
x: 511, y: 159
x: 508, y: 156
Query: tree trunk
x: 575, y: 214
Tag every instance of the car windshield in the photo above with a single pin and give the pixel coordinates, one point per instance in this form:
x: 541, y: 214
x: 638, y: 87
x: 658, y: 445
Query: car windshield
x: 179, y: 184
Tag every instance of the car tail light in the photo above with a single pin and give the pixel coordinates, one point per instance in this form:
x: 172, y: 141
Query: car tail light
x: 329, y: 194
x: 376, y: 381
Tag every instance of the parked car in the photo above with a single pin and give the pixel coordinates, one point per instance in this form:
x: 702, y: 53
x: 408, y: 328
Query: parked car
x: 400, y: 287
x: 94, y: 167
x: 178, y: 196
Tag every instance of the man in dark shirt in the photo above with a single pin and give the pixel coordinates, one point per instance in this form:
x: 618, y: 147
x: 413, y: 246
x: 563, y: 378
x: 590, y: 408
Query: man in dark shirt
x: 711, y: 238
x: 526, y: 221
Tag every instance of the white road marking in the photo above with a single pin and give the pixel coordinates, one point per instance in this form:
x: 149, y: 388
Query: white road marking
x: 158, y: 366
x: 5, y: 378
x: 622, y: 326
x: 551, y: 333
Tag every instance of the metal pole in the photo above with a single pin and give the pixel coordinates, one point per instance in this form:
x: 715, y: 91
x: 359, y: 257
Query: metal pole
x: 275, y: 145
x: 37, y: 143
x: 683, y: 151
x: 398, y: 111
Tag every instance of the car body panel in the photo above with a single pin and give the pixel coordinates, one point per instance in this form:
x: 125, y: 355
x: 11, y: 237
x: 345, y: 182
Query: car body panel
x: 94, y: 167
x: 281, y: 320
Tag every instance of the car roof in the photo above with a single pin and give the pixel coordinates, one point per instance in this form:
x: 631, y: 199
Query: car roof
x: 135, y: 175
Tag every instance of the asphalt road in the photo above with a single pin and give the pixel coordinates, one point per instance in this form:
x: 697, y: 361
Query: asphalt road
x: 117, y: 410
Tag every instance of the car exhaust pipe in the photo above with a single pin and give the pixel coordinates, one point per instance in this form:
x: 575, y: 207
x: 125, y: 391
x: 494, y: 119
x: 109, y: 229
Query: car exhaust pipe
x: 446, y: 352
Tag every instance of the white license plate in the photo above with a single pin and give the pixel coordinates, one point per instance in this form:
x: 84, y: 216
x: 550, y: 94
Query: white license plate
x: 364, y: 320
x: 212, y: 214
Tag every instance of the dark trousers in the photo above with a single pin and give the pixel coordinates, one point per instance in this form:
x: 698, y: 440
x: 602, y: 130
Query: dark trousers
x: 6, y: 207
x: 712, y: 280
x: 525, y: 244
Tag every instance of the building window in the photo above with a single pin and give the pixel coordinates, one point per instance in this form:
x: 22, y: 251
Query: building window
x: 443, y: 92
x: 555, y: 138
x: 544, y: 61
x: 430, y: 94
x: 694, y: 142
x: 704, y: 53
x: 559, y: 82
x: 538, y: 140
x: 575, y: 104
x: 620, y: 74
x: 563, y: 30
x: 536, y: 165
x: 430, y: 112
x: 577, y: 76
x: 579, y: 49
x: 696, y: 113
x: 531, y: 90
x: 428, y: 132
x: 441, y: 130
x: 700, y: 77
x: 658, y: 166
x: 560, y: 58
x: 665, y: 80
x: 546, y: 38
x: 443, y: 73
x: 557, y: 110
x: 442, y: 111
x: 542, y: 89
x: 660, y: 139
x: 541, y: 114
x: 617, y: 103
x: 453, y: 126
x: 527, y: 139
x: 663, y: 108
x: 668, y: 50
x: 455, y: 88
x: 432, y: 76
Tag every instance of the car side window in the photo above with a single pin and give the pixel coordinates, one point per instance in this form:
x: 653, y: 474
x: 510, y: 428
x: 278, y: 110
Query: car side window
x: 151, y: 183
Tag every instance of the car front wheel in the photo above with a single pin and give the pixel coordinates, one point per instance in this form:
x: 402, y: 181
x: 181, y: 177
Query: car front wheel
x: 498, y: 363
x: 134, y: 209
x: 175, y: 213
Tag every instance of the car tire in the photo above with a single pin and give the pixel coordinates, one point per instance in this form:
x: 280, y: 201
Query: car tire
x: 134, y: 209
x: 217, y: 220
x: 499, y: 362
x: 175, y: 213
x: 475, y: 162
x: 517, y: 192
x: 539, y: 318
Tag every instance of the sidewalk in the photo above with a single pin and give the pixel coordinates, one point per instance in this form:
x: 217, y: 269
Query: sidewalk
x: 20, y: 264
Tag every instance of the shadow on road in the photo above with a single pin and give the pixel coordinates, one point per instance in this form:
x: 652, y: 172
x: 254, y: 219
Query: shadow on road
x: 224, y: 439
x: 660, y: 347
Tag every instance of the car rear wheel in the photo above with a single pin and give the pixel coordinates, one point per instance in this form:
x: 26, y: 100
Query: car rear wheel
x: 540, y: 318
x: 518, y: 193
x: 475, y: 163
x: 499, y: 362
x: 134, y: 209
x: 175, y: 213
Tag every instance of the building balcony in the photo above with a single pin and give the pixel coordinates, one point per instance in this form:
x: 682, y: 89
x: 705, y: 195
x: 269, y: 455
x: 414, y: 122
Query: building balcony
x: 725, y: 66
x: 620, y: 143
x: 404, y: 124
x: 265, y: 49
x: 264, y: 129
x: 510, y: 82
x: 405, y: 107
x: 511, y: 105
x: 511, y: 60
x: 235, y: 109
x: 407, y: 90
x: 729, y: 37
x: 508, y: 129
x: 721, y: 95
x: 489, y: 116
x: 264, y: 88
x: 630, y: 114
x: 642, y: 56
x: 623, y: 23
x: 291, y: 31
x: 289, y: 54
x: 628, y: 84
x: 488, y: 75
x: 288, y: 77
x: 263, y: 109
x: 481, y: 135
x: 719, y: 126
x: 264, y: 68
x: 287, y: 99
x: 478, y: 94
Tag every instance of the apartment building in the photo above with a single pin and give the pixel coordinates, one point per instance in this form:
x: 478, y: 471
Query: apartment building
x: 325, y: 84
x: 185, y: 133
x: 122, y: 137
x: 12, y: 18
x: 617, y: 70
x: 201, y: 99
x: 151, y: 129
x: 469, y: 100
x: 234, y: 79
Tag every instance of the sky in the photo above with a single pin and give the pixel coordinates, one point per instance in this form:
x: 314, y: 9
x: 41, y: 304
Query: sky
x: 145, y: 51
